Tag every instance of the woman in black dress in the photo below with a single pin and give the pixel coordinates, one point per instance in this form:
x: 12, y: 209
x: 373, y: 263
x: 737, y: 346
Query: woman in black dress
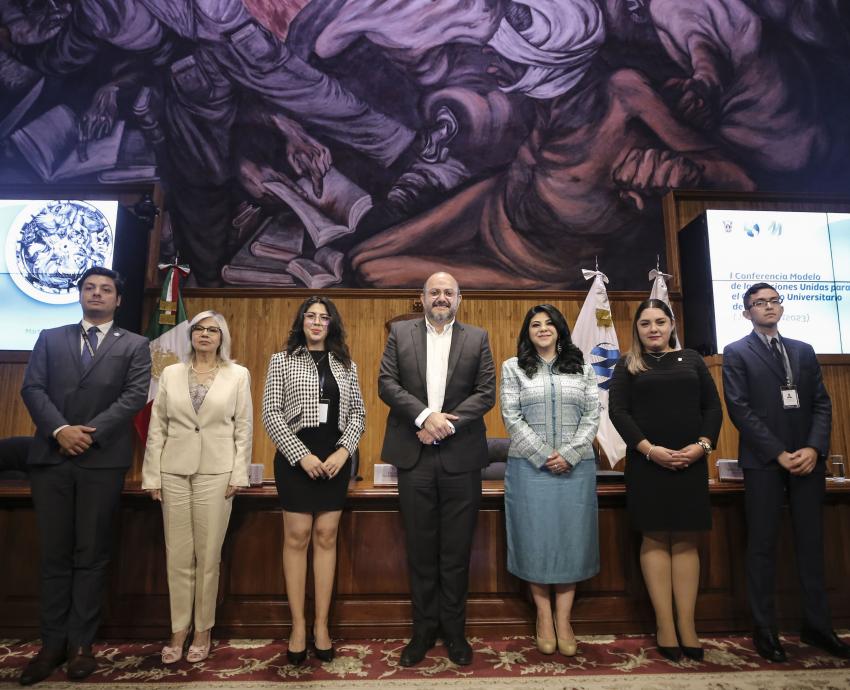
x: 314, y: 413
x: 664, y: 404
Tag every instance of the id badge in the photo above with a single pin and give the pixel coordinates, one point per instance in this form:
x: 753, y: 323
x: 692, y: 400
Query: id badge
x: 790, y: 399
x: 323, y: 410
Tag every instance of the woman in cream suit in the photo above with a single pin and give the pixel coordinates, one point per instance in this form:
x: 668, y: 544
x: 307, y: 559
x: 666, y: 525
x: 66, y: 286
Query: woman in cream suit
x: 198, y: 451
x: 314, y: 413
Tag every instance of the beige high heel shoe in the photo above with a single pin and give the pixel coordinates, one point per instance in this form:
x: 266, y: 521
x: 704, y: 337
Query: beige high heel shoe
x: 544, y: 646
x: 565, y: 646
x: 171, y: 655
x: 199, y: 652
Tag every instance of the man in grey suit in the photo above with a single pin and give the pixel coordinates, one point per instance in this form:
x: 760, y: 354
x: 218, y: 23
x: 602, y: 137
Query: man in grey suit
x: 83, y: 385
x: 438, y: 378
x: 776, y: 398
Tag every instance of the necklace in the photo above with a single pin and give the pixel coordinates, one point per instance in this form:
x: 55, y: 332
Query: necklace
x: 658, y: 358
x: 208, y: 371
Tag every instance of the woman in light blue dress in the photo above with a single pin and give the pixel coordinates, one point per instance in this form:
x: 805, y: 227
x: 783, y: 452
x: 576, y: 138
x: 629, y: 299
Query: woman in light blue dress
x: 551, y: 410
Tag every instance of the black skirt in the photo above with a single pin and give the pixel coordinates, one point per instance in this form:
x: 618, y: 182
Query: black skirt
x: 300, y: 494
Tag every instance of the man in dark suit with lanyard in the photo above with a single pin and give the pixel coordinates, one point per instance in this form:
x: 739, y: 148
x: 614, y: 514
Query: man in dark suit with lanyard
x: 83, y: 385
x: 776, y: 398
x: 438, y: 378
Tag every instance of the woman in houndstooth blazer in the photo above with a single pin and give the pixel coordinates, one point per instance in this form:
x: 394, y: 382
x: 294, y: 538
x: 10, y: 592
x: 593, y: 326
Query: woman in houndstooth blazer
x: 314, y: 413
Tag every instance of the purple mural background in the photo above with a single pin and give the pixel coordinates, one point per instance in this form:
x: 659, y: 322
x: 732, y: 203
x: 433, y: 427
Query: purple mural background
x: 367, y: 143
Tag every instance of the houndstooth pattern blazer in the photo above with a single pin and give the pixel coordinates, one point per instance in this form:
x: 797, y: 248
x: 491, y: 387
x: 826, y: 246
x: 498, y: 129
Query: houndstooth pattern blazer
x: 291, y: 402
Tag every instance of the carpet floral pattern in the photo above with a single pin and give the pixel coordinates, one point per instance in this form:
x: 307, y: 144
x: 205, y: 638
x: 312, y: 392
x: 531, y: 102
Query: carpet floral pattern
x: 244, y: 662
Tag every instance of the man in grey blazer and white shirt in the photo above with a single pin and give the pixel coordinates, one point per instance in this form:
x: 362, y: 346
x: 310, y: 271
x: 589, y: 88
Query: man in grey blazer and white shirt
x: 83, y: 385
x: 438, y: 378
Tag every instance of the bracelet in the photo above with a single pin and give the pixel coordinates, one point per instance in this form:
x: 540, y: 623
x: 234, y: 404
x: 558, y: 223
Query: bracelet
x: 649, y: 452
x: 706, y: 447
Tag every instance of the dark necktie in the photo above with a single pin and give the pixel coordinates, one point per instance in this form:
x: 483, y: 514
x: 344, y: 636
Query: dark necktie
x: 777, y: 353
x: 87, y: 355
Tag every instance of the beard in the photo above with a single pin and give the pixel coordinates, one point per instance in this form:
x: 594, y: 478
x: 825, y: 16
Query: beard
x: 440, y: 317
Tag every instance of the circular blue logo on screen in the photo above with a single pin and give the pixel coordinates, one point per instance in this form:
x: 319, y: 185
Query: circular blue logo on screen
x: 52, y: 243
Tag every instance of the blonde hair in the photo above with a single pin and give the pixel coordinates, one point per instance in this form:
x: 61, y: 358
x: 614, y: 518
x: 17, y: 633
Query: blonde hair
x: 635, y: 362
x: 224, y: 347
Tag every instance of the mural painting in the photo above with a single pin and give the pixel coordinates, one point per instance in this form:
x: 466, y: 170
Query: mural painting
x: 367, y: 143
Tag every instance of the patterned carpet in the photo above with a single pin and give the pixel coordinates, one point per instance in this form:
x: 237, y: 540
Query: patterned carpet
x: 628, y: 662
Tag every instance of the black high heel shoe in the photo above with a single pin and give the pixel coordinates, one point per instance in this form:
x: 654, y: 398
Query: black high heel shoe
x: 296, y: 658
x: 695, y: 653
x: 669, y: 653
x: 323, y: 654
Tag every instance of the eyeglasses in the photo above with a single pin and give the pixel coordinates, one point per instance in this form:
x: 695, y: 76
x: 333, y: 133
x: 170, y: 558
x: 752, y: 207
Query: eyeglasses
x: 324, y: 319
x: 762, y: 303
x: 212, y: 330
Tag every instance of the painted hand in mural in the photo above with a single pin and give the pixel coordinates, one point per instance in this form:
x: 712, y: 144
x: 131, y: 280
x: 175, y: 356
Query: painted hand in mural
x: 253, y: 178
x: 99, y: 119
x: 653, y: 172
x: 306, y: 155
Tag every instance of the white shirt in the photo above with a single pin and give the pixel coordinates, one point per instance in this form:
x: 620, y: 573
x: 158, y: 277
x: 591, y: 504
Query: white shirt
x: 436, y: 368
x: 102, y: 330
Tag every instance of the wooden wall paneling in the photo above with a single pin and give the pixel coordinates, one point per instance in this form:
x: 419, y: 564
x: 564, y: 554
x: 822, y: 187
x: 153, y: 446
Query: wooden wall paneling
x: 19, y: 576
x: 371, y: 589
x: 15, y: 420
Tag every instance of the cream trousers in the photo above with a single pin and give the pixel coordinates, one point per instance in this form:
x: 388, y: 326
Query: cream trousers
x: 195, y: 513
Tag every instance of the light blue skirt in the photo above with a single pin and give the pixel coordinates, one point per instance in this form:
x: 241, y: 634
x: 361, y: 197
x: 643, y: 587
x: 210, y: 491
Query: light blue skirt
x: 551, y: 522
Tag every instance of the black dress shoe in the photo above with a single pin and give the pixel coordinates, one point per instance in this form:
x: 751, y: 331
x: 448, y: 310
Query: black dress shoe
x: 460, y: 651
x: 81, y: 663
x: 768, y: 646
x: 695, y: 653
x: 828, y: 642
x: 42, y: 666
x: 416, y: 649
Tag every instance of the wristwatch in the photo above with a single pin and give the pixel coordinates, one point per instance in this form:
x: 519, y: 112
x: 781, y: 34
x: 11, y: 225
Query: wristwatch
x: 706, y: 447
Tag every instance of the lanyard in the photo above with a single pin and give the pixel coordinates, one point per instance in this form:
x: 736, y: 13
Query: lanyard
x: 786, y: 363
x: 86, y: 341
x: 322, y: 373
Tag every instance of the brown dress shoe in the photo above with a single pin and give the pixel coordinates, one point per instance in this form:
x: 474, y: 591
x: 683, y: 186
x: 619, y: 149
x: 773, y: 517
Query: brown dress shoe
x: 81, y: 663
x: 42, y: 666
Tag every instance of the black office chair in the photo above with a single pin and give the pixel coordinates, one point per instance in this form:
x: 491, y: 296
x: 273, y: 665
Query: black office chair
x: 13, y: 457
x: 497, y: 456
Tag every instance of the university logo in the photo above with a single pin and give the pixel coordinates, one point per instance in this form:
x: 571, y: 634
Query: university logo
x: 603, y: 357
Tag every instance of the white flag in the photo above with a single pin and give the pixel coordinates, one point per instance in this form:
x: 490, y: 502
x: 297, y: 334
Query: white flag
x: 659, y: 291
x: 595, y: 336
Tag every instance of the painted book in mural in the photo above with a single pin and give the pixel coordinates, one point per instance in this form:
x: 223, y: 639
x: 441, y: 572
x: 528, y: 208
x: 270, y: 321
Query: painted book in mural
x: 324, y: 270
x: 50, y: 145
x: 279, y: 238
x: 326, y: 218
x: 248, y: 269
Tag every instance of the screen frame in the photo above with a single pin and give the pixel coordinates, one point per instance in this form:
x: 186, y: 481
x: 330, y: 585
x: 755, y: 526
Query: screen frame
x: 127, y: 195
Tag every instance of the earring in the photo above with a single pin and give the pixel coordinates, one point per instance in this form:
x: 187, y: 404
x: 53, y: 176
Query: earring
x: 558, y: 346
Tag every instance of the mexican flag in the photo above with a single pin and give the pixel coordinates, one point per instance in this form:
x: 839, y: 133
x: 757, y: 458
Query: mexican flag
x: 168, y: 331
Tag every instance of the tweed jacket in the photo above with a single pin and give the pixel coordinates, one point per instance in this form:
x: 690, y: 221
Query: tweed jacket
x: 549, y: 411
x: 291, y: 402
x: 214, y: 440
